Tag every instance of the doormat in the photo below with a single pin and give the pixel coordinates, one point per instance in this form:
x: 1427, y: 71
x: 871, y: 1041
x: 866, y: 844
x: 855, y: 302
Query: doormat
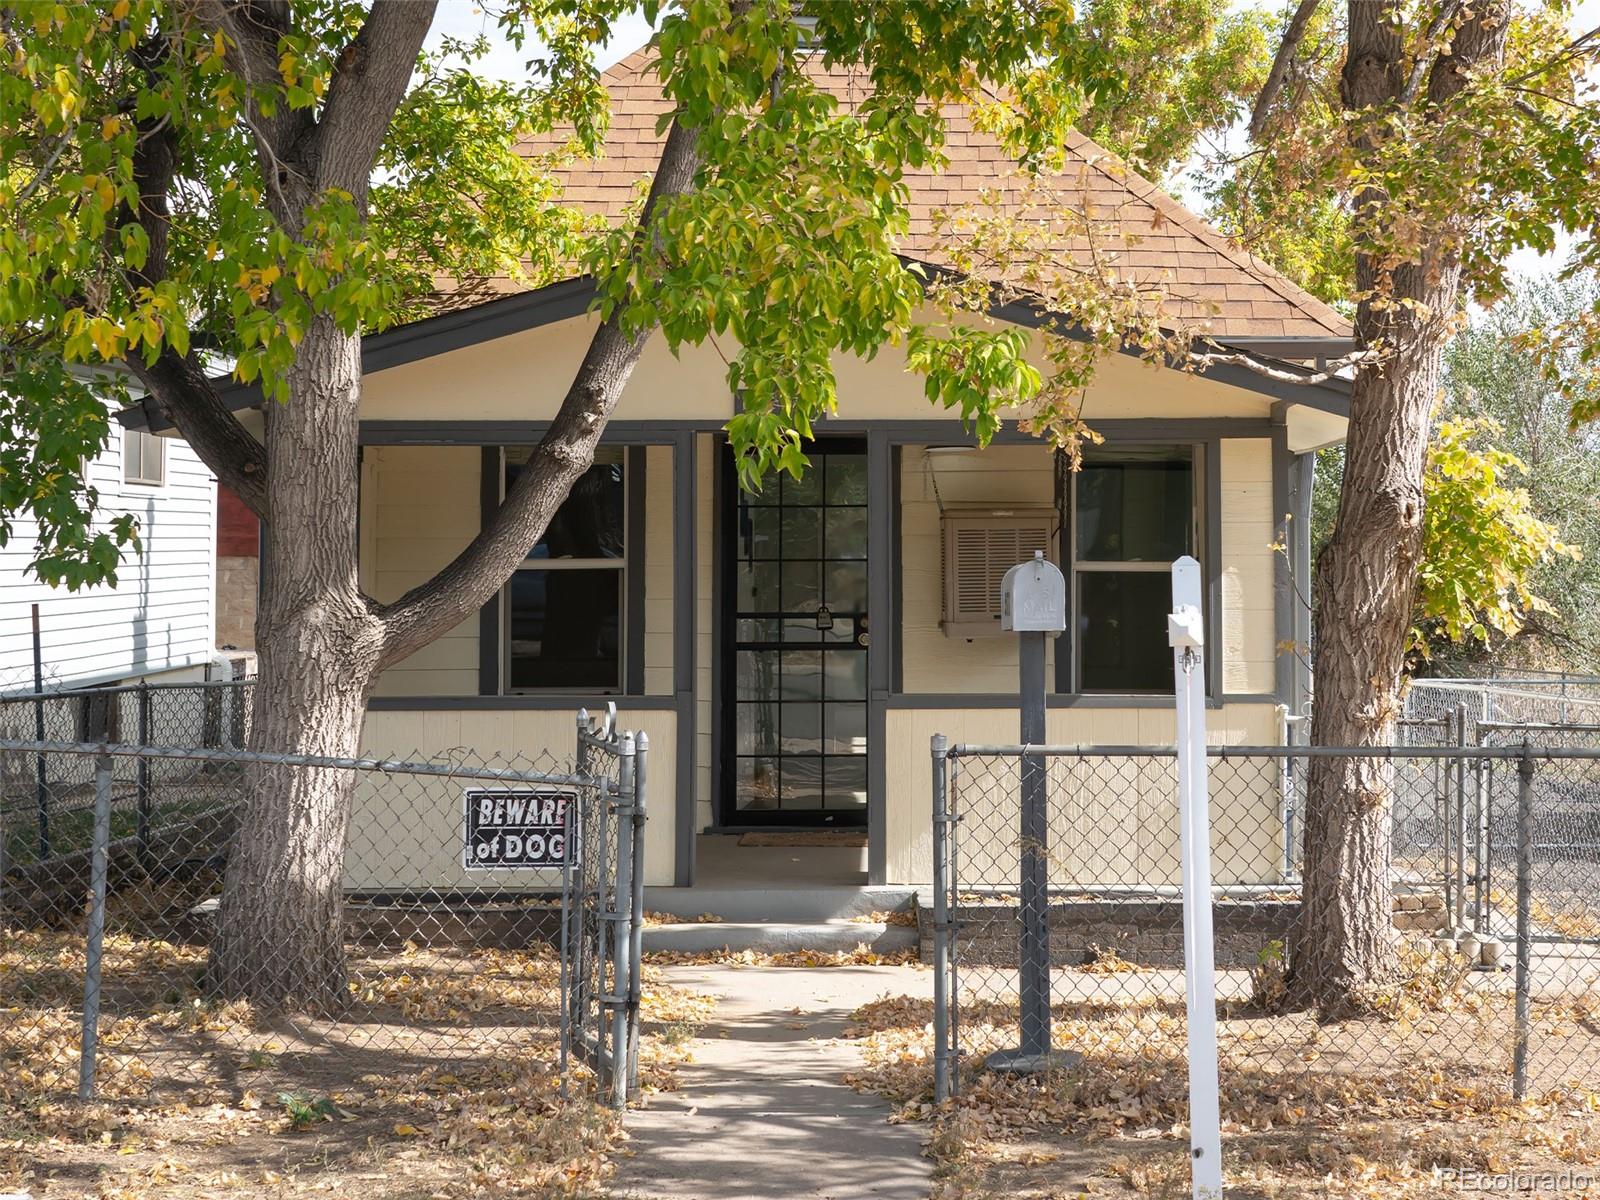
x: 847, y: 838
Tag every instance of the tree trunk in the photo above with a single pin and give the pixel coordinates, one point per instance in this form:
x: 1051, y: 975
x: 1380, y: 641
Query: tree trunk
x: 1365, y: 584
x: 1345, y: 945
x: 280, y: 932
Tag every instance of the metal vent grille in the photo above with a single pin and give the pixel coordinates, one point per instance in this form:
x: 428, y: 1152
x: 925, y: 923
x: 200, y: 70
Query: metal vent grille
x: 977, y: 550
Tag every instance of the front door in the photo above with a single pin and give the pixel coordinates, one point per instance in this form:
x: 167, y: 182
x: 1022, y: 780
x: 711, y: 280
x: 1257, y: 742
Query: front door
x: 795, y: 687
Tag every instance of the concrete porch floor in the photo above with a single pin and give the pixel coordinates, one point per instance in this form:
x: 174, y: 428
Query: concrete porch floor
x: 776, y: 898
x: 720, y: 862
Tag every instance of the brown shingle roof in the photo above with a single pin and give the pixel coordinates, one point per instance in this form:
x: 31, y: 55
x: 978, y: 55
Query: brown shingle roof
x: 1207, y: 278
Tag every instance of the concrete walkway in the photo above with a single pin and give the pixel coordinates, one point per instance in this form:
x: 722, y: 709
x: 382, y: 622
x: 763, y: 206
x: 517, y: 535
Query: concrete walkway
x: 764, y: 1113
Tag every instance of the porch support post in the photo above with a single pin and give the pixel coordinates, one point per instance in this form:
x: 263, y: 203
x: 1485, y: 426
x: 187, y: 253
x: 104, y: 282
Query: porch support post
x: 1302, y: 477
x: 684, y: 567
x: 881, y: 567
x: 1291, y: 567
x: 1283, y: 524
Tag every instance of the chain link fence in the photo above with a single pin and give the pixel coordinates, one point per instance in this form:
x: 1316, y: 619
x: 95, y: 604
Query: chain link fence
x: 1503, y: 996
x: 47, y: 802
x: 1548, y: 699
x: 488, y: 920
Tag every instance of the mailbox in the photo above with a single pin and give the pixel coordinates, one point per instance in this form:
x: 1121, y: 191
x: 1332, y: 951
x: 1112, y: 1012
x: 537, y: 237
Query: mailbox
x: 1033, y: 597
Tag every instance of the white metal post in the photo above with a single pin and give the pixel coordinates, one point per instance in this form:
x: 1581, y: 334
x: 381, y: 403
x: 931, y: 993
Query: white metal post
x: 1186, y: 634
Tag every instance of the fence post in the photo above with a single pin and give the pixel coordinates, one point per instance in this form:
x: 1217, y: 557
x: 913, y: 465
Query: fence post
x: 1519, y: 1056
x: 1483, y: 800
x: 41, y: 775
x: 621, y: 937
x: 95, y: 936
x: 641, y: 758
x: 142, y: 769
x: 1459, y: 818
x: 594, y: 802
x: 566, y: 942
x: 941, y: 924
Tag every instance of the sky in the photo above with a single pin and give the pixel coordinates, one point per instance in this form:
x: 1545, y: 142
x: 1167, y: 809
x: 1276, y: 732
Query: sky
x: 466, y: 19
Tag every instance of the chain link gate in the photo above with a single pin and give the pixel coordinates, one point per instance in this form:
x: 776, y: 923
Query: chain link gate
x: 1115, y: 913
x: 512, y: 960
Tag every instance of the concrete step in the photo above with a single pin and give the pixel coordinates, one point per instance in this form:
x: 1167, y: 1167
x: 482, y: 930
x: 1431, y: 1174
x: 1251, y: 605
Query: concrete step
x: 796, y: 904
x: 823, y: 937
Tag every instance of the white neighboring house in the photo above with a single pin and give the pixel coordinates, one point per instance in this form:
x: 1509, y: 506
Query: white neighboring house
x: 159, y: 621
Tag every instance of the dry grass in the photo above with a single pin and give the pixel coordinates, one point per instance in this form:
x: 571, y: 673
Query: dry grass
x: 445, y: 1085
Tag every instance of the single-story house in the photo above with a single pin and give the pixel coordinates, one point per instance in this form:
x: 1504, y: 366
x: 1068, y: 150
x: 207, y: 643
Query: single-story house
x: 790, y: 653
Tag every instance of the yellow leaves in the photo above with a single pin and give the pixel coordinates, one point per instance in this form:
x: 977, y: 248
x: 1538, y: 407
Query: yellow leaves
x: 110, y: 127
x: 120, y: 9
x: 404, y: 1130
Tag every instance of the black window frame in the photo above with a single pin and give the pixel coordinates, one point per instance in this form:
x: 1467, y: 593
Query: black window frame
x: 1204, y: 458
x: 494, y: 660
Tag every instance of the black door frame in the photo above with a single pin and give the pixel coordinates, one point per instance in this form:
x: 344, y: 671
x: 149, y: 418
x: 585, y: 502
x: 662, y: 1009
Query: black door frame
x: 726, y: 817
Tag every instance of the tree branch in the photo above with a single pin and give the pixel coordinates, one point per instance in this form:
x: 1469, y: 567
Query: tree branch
x: 565, y: 452
x: 181, y: 391
x: 252, y: 29
x: 1293, y: 35
x: 368, y: 84
x: 1326, y: 370
x: 177, y: 384
x: 1419, y: 69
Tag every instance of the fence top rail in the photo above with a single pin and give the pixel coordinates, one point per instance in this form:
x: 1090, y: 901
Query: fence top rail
x: 1536, y: 727
x: 1517, y: 751
x: 30, y: 695
x: 387, y: 766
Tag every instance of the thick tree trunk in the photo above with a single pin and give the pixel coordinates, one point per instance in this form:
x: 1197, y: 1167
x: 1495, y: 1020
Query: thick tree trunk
x: 1365, y: 584
x: 1344, y: 947
x: 279, y: 937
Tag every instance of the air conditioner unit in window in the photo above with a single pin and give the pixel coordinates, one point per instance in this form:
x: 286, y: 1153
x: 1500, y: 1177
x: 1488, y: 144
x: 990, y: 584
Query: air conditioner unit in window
x: 978, y: 547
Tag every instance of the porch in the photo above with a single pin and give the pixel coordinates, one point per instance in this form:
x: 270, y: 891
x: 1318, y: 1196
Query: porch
x: 684, y: 610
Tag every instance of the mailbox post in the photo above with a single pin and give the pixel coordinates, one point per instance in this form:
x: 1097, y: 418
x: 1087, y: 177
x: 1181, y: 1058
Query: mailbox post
x: 1033, y: 605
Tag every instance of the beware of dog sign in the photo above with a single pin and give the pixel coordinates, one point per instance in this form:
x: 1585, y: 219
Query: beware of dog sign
x: 517, y: 827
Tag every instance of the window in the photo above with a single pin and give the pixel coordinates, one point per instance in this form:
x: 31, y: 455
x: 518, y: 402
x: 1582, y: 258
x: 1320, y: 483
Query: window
x: 563, y: 608
x: 144, y: 457
x: 1133, y: 512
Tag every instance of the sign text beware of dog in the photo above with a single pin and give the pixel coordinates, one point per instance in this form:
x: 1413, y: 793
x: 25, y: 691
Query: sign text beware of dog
x: 517, y: 827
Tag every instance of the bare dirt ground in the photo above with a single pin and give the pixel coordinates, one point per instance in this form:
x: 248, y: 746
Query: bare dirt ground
x: 444, y: 1086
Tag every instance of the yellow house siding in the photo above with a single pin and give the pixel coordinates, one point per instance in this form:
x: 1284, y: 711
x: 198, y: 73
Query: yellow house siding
x: 1118, y: 822
x: 414, y: 841
x: 492, y: 381
x: 419, y: 509
x: 1248, y: 635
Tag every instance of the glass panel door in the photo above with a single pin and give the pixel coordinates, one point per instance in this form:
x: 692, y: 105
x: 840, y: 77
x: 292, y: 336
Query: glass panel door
x: 797, y: 701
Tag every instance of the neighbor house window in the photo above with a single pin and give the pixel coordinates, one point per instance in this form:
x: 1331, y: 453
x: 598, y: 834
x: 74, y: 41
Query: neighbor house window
x: 1133, y: 512
x: 563, y: 609
x: 144, y: 457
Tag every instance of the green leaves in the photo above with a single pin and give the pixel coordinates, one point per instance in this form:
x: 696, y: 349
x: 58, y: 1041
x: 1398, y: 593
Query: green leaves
x: 52, y: 423
x: 1481, y: 539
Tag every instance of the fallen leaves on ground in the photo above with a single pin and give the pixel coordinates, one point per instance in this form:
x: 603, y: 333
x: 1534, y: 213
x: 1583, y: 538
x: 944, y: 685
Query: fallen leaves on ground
x: 862, y: 956
x: 441, y: 1080
x: 1301, y: 1117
